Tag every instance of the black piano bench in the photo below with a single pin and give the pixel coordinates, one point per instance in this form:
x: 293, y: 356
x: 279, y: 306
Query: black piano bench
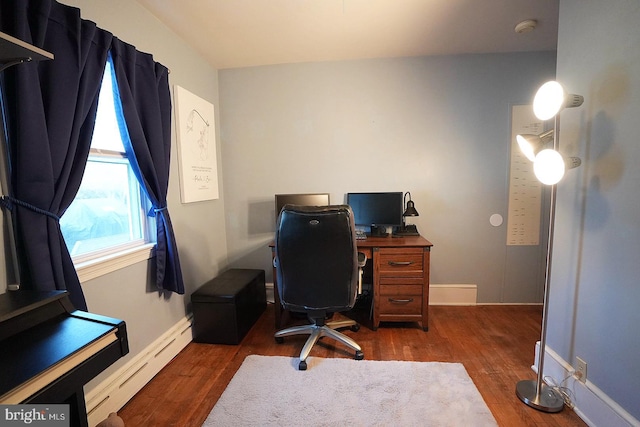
x: 226, y: 307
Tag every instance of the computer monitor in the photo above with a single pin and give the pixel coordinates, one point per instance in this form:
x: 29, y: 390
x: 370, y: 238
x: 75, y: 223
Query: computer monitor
x: 376, y: 210
x: 309, y: 199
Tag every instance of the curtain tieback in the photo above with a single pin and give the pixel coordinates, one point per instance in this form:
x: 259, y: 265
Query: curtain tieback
x: 154, y: 211
x: 7, y: 202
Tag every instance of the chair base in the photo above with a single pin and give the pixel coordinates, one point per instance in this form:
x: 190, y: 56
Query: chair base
x: 316, y: 332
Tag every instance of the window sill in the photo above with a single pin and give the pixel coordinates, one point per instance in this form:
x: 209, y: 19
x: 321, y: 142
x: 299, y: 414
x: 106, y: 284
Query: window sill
x: 107, y: 264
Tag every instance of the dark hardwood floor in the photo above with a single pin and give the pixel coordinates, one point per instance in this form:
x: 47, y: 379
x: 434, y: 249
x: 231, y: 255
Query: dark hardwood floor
x: 494, y: 343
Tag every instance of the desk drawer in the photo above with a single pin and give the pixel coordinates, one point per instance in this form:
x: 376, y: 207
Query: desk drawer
x: 401, y: 299
x: 405, y: 305
x: 406, y: 262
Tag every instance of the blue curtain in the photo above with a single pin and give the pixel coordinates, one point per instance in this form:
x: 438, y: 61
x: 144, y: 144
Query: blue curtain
x: 143, y: 90
x: 51, y: 108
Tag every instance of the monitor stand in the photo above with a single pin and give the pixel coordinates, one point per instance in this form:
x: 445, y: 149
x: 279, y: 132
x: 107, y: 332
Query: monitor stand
x: 378, y: 231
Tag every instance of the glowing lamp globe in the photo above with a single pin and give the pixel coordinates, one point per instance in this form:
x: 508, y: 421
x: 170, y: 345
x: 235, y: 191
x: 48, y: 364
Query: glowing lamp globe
x: 549, y: 167
x: 551, y: 98
x: 525, y: 147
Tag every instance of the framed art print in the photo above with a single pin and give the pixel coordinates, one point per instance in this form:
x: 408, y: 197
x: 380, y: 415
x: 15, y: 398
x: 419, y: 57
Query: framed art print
x: 196, y: 135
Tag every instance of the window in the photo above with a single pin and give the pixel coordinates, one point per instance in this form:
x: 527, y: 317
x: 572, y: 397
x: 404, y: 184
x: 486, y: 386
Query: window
x: 108, y: 214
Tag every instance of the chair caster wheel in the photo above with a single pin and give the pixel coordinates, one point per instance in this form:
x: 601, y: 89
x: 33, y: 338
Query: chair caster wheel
x: 355, y: 328
x: 302, y: 366
x: 359, y: 355
x: 279, y: 340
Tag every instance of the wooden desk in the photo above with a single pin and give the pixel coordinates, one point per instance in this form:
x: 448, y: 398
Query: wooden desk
x: 400, y: 280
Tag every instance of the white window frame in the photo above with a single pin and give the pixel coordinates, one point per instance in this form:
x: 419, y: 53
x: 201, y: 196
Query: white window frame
x: 97, y: 267
x: 98, y: 263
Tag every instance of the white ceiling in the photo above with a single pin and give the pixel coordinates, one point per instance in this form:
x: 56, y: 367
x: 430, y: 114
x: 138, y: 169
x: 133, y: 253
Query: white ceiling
x: 244, y: 33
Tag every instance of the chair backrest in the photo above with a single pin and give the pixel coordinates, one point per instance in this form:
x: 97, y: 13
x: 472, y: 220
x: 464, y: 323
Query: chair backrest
x: 316, y: 258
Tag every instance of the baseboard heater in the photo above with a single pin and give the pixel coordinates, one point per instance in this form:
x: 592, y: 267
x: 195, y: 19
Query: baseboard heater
x: 115, y: 391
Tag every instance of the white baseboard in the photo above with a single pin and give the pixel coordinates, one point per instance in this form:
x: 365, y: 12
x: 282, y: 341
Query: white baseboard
x: 453, y: 294
x: 591, y: 404
x: 114, y: 392
x: 269, y: 288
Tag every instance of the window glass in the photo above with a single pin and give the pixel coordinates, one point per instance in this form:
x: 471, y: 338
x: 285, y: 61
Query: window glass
x: 106, y: 134
x: 108, y: 213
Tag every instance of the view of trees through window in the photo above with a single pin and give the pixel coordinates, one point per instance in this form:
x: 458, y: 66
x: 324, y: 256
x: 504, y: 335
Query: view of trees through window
x: 108, y: 213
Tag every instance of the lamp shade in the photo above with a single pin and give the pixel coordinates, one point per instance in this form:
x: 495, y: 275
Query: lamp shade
x: 548, y: 167
x: 411, y: 209
x: 526, y: 142
x: 530, y: 145
x: 551, y: 98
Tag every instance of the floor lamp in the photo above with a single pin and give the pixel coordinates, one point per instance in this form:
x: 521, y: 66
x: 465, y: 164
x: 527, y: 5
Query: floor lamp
x: 549, y: 167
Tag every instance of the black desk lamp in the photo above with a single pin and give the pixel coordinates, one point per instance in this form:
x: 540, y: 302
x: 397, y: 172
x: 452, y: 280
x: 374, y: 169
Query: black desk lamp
x: 410, y: 210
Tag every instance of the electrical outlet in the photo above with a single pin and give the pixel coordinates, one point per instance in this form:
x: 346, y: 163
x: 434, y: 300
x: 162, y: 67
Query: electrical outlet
x: 581, y: 370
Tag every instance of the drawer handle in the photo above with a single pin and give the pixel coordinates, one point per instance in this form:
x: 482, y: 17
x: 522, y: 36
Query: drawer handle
x: 400, y: 301
x: 400, y: 262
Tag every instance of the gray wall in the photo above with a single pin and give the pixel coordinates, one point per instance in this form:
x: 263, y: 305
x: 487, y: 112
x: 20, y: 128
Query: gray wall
x: 595, y: 292
x: 438, y: 127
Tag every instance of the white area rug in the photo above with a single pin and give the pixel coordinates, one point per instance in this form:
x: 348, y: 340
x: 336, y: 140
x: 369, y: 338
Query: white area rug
x: 270, y: 391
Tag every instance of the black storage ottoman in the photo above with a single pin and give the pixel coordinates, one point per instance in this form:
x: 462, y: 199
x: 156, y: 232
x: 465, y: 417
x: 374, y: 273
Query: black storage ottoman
x: 226, y: 307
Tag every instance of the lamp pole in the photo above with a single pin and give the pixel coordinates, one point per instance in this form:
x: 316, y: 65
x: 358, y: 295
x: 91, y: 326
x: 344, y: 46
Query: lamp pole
x: 536, y: 393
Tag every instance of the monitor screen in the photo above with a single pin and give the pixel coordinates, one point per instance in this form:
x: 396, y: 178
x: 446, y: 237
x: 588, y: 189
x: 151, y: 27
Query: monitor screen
x: 311, y: 199
x: 373, y: 209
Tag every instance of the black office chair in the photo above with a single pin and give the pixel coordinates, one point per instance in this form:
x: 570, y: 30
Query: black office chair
x: 316, y: 264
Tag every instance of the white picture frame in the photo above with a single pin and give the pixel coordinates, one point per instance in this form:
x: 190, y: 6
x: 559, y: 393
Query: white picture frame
x: 196, y: 138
